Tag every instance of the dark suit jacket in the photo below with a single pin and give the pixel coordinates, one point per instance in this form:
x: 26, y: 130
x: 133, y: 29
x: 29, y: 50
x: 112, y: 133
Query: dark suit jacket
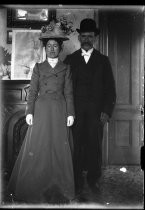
x: 55, y: 81
x: 102, y: 88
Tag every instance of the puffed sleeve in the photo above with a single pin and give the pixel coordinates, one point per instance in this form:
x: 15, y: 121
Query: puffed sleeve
x: 33, y: 91
x: 68, y: 92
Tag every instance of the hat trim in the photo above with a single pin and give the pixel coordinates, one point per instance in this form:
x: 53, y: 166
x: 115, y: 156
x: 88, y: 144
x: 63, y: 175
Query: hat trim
x: 54, y: 37
x: 97, y: 31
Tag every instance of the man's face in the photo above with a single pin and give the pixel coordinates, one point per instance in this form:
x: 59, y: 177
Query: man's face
x: 87, y: 40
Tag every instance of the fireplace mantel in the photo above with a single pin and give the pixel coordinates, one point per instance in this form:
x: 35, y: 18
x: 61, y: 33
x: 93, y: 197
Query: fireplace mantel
x: 14, y: 99
x: 14, y: 91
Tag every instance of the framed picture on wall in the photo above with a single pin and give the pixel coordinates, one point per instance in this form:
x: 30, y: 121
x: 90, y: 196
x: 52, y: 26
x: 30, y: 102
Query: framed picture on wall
x: 32, y: 18
x: 26, y: 51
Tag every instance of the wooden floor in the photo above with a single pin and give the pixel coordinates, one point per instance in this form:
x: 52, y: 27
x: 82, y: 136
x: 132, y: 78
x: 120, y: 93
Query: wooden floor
x: 119, y: 189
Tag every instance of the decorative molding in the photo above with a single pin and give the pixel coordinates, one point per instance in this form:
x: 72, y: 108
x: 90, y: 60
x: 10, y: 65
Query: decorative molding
x: 9, y: 36
x: 26, y: 89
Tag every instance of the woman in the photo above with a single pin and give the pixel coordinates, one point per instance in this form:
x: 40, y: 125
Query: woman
x: 43, y: 172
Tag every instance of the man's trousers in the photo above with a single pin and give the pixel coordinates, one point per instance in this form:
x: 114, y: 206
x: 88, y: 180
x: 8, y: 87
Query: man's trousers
x: 87, y: 136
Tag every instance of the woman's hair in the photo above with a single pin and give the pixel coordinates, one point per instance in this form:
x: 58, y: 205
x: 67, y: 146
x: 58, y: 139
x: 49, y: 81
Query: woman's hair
x: 59, y: 41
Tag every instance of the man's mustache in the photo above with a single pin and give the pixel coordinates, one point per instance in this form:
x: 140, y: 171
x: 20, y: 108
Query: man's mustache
x: 88, y: 43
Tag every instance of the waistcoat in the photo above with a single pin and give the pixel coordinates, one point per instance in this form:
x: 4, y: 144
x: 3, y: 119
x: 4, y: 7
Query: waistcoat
x: 84, y: 80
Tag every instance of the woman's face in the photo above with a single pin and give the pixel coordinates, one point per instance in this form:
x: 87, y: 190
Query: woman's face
x: 52, y: 49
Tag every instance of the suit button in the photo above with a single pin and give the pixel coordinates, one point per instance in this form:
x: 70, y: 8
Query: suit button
x: 45, y: 83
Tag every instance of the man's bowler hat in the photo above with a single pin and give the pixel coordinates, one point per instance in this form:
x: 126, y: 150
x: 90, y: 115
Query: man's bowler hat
x: 88, y: 25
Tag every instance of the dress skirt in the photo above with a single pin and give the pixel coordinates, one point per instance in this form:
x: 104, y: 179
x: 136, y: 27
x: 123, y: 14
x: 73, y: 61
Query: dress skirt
x: 43, y: 171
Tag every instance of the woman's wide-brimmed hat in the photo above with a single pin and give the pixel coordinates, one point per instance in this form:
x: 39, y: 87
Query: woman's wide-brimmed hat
x: 53, y: 31
x: 88, y: 25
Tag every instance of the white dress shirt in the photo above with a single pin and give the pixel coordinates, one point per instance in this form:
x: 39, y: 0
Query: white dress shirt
x: 87, y: 54
x: 52, y: 61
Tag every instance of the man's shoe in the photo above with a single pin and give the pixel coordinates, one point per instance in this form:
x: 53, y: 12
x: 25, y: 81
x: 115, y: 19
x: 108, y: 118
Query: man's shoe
x: 78, y: 191
x: 95, y: 188
x: 80, y: 199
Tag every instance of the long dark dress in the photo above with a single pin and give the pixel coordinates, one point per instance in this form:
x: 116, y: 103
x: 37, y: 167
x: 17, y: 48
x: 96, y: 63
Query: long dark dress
x: 43, y: 171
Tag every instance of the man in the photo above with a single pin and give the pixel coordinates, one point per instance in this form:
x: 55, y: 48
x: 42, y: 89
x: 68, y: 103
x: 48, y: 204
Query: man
x: 94, y: 98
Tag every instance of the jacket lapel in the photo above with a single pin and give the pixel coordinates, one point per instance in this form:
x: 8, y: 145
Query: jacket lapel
x: 60, y: 66
x: 79, y: 56
x: 47, y: 69
x: 94, y: 59
x: 93, y: 63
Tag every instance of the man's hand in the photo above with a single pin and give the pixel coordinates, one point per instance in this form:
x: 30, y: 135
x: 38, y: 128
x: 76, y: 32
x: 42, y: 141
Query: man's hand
x: 104, y: 118
x: 70, y: 120
x: 29, y: 119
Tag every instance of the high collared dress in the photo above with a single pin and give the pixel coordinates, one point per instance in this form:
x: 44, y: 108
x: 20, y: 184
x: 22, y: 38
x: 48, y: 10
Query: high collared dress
x: 43, y: 171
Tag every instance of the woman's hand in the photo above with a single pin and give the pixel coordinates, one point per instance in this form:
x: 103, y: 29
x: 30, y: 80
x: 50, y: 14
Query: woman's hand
x: 70, y: 120
x: 29, y: 119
